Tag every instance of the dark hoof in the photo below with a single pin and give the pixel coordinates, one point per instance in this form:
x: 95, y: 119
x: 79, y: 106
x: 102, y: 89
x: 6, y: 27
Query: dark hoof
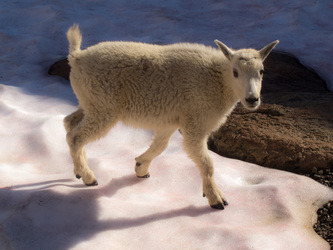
x: 95, y: 183
x: 138, y: 164
x: 145, y: 176
x: 225, y: 203
x: 218, y: 206
x: 78, y: 176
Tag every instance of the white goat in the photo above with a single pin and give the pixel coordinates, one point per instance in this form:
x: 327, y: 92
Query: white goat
x: 187, y: 86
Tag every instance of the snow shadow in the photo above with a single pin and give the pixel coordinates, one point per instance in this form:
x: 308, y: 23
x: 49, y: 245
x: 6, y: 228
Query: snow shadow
x: 36, y: 217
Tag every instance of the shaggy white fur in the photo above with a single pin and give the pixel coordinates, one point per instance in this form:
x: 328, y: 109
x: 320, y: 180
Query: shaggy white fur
x: 187, y: 86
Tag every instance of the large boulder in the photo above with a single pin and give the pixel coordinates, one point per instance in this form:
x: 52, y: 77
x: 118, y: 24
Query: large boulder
x: 293, y: 134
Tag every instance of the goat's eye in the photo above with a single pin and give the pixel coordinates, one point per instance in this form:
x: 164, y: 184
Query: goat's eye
x: 235, y: 73
x: 261, y: 72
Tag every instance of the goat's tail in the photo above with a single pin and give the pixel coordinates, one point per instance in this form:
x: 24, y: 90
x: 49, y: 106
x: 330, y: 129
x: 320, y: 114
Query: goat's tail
x: 74, y: 38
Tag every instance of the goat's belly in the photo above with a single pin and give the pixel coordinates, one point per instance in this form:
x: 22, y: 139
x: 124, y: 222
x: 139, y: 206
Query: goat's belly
x: 150, y: 121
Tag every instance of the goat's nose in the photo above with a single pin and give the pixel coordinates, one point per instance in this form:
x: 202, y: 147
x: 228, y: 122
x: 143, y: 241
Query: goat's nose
x: 252, y: 100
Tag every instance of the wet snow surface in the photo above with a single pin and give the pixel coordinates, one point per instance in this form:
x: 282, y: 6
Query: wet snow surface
x: 42, y: 205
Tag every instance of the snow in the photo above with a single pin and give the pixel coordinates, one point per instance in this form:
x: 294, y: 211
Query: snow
x: 42, y: 205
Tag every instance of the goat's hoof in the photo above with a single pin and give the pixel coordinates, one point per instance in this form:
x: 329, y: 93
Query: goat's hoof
x: 78, y: 176
x: 94, y: 183
x: 218, y: 206
x: 145, y: 176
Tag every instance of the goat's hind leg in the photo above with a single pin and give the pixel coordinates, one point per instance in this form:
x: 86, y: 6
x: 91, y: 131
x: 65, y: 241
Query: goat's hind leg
x: 72, y: 120
x: 158, y: 145
x: 89, y: 129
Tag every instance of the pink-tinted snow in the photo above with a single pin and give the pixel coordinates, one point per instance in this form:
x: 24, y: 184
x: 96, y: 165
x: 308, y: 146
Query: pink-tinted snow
x: 42, y: 205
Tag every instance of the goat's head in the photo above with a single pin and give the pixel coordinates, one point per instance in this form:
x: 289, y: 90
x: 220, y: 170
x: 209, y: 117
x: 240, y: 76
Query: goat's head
x: 247, y: 71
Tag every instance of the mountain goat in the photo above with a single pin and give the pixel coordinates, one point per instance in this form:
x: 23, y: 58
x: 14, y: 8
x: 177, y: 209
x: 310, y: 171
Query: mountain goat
x: 183, y: 86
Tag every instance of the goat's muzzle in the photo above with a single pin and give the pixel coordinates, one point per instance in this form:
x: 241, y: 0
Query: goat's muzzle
x: 252, y: 103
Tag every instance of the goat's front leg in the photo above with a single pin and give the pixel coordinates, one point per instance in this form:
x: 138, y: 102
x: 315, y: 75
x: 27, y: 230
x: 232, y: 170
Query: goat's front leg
x: 158, y: 145
x: 196, y: 147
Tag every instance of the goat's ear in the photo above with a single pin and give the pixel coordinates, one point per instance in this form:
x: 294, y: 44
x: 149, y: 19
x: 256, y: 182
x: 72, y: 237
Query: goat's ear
x: 226, y: 51
x: 264, y: 52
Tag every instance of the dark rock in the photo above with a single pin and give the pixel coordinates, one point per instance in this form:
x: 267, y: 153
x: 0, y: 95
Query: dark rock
x: 294, y: 134
x: 60, y: 68
x: 284, y: 73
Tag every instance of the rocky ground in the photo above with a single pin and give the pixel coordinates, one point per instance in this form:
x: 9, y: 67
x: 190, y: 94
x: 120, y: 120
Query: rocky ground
x: 324, y: 225
x: 292, y: 130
